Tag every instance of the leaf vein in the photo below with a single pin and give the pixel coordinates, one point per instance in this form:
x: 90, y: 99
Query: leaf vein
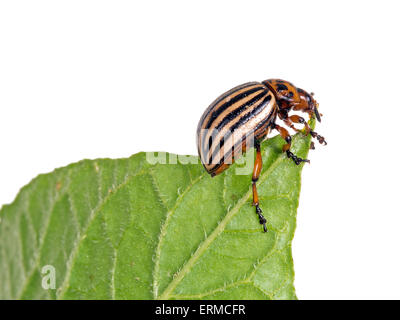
x: 214, y: 234
x: 84, y: 233
x: 163, y: 232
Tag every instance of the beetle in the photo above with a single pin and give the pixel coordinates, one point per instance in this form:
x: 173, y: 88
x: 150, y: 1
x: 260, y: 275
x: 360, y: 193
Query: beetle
x: 249, y: 112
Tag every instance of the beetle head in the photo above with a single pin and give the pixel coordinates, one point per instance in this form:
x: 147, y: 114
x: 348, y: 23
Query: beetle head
x: 289, y: 97
x: 308, y: 104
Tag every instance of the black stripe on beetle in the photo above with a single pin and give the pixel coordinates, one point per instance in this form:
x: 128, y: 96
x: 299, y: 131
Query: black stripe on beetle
x: 242, y: 120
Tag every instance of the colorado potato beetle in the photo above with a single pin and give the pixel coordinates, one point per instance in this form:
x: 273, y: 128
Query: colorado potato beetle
x: 249, y: 111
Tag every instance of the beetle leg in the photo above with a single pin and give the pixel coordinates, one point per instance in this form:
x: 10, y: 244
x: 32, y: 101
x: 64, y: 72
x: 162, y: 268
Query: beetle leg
x: 320, y: 139
x: 286, y: 148
x: 298, y: 119
x: 288, y: 121
x: 256, y: 175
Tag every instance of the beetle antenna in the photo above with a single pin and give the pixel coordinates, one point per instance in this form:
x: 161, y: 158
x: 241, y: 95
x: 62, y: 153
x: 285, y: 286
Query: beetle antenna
x: 317, y: 113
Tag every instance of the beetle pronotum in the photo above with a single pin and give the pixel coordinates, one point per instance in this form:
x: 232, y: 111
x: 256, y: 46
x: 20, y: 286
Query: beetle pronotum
x: 250, y: 110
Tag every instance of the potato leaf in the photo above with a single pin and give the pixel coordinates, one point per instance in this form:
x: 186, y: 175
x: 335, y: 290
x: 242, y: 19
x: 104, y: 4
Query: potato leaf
x: 129, y: 229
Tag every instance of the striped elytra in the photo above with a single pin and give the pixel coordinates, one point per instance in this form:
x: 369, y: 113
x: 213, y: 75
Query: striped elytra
x: 243, y: 116
x: 224, y: 130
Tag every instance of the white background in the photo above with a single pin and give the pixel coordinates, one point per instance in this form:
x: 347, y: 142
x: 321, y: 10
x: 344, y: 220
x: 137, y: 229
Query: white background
x: 88, y: 79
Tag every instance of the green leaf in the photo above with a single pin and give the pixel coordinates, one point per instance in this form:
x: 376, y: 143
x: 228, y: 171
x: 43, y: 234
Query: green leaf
x: 128, y: 229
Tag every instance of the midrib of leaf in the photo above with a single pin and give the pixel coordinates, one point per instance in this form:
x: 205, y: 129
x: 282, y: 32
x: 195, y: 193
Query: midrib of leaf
x: 213, y: 235
x: 247, y: 280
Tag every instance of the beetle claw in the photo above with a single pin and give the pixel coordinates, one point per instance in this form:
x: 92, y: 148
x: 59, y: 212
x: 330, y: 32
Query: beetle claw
x: 320, y: 139
x: 262, y: 219
x: 295, y: 158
